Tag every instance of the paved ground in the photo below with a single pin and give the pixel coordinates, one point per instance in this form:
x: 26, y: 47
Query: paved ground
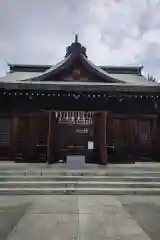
x: 79, y: 217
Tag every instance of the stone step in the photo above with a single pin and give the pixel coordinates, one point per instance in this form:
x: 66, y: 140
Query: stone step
x: 78, y: 184
x: 116, y: 173
x: 59, y: 178
x: 79, y: 191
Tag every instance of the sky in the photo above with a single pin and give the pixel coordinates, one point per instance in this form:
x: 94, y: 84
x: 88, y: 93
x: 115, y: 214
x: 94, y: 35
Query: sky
x: 115, y: 32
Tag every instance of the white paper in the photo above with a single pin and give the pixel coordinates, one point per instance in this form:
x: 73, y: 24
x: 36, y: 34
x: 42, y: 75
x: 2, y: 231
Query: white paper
x: 90, y: 145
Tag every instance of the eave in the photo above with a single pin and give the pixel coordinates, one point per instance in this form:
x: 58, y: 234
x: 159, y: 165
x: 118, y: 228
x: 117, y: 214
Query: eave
x: 79, y: 86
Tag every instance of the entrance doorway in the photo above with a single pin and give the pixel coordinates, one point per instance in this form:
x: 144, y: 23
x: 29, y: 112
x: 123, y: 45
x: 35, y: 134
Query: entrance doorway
x: 75, y: 130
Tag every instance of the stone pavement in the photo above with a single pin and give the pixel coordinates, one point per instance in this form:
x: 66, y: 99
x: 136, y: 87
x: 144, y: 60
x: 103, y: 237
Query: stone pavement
x: 79, y: 217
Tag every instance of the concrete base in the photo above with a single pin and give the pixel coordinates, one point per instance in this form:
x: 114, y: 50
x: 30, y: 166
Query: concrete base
x: 75, y: 162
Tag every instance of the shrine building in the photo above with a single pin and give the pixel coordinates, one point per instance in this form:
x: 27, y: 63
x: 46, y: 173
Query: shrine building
x: 107, y: 114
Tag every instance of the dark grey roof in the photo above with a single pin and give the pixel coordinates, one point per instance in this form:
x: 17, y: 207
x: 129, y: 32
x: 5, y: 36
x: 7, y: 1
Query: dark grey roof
x: 42, y: 68
x: 49, y: 73
x: 27, y: 68
x: 126, y: 78
x: 108, y: 74
x: 123, y: 69
x: 80, y: 86
x: 74, y: 52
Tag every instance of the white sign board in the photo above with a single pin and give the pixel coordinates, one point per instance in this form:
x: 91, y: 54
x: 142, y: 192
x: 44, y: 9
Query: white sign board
x: 90, y: 145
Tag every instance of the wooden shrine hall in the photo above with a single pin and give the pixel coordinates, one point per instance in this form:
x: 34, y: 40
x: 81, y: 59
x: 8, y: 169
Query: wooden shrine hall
x: 105, y: 113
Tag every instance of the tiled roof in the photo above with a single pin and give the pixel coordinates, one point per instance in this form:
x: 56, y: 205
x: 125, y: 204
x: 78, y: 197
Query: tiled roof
x: 80, y: 86
x: 37, y: 75
x: 126, y: 78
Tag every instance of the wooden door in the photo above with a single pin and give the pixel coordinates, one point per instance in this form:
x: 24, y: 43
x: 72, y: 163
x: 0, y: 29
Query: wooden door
x: 144, y: 133
x: 5, y: 129
x: 141, y: 137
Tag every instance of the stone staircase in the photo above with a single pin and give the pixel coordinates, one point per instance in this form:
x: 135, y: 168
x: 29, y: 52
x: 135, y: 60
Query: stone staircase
x: 64, y: 181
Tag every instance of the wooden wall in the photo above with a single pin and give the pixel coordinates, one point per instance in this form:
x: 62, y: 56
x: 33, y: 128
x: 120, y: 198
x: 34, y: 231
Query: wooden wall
x: 133, y: 137
x: 27, y: 135
x: 5, y: 137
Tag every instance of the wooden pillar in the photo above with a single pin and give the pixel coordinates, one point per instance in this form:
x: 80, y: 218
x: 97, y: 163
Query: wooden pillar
x: 32, y: 137
x: 96, y: 154
x: 52, y: 146
x: 153, y: 130
x: 103, y: 139
x: 154, y: 137
x: 100, y: 140
x: 14, y: 136
x: 49, y: 137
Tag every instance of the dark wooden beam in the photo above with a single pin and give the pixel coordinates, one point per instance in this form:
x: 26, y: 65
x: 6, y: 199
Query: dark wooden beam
x: 137, y: 116
x: 103, y: 137
x: 52, y: 138
x: 100, y: 138
x: 49, y: 136
x: 32, y: 137
x: 14, y: 136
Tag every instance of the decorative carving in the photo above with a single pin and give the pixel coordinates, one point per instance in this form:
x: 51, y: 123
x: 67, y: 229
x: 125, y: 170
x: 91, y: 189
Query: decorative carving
x: 151, y: 78
x: 75, y: 48
x: 76, y: 74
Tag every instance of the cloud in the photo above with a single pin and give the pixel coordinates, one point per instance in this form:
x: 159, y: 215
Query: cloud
x: 116, y: 32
